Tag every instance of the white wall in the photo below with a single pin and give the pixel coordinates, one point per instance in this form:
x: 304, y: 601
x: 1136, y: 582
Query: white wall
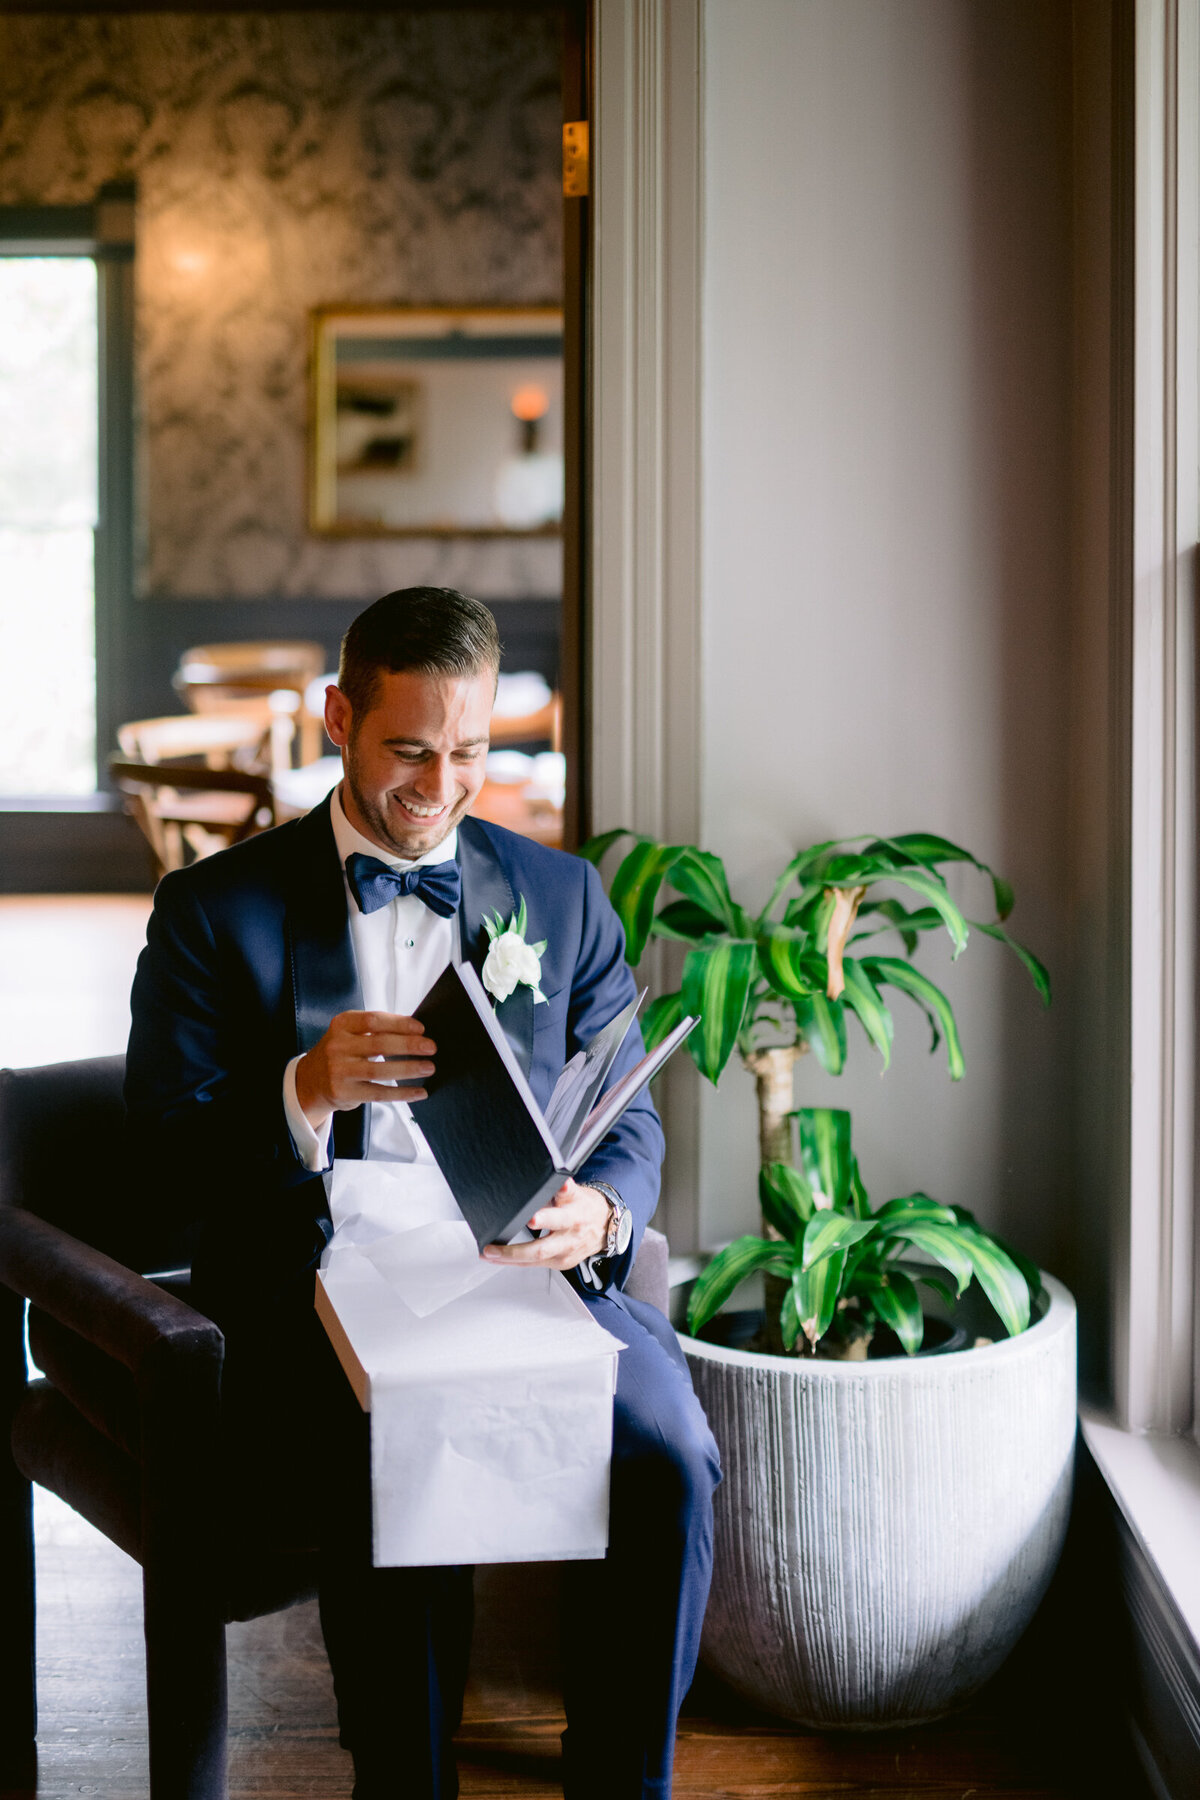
x: 886, y: 538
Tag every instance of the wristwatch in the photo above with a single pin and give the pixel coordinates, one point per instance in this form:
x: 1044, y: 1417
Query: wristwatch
x: 620, y: 1220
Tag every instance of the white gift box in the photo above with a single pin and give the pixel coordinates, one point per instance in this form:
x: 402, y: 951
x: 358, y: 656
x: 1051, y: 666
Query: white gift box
x: 491, y: 1416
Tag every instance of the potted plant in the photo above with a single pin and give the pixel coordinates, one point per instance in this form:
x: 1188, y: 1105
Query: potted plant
x: 886, y: 1527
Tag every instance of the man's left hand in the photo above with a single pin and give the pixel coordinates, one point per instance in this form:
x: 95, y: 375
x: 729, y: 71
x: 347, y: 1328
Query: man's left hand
x: 574, y: 1226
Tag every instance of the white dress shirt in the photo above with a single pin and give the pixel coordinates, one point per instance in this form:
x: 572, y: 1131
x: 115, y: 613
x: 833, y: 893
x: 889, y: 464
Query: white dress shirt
x: 400, y: 950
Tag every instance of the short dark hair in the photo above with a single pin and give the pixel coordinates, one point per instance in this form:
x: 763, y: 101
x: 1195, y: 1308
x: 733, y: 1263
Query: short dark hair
x: 436, y: 631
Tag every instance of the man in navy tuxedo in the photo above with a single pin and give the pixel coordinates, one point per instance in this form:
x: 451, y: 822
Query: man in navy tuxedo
x: 276, y: 976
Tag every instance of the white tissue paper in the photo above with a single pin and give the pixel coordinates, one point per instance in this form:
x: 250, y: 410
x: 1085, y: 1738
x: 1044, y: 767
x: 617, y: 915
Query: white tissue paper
x: 490, y: 1389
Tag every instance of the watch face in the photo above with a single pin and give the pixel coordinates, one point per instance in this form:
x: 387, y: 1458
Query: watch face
x: 624, y: 1231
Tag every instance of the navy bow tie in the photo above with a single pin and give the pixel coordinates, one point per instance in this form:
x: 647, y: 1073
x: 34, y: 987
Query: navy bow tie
x: 373, y: 884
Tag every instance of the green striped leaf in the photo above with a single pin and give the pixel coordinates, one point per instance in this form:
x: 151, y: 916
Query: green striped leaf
x: 1028, y: 1268
x: 700, y: 876
x: 685, y: 922
x: 728, y: 1269
x: 816, y: 1293
x: 825, y: 1156
x: 932, y: 888
x: 892, y: 971
x: 827, y: 1232
x: 938, y: 1243
x: 822, y: 1024
x: 860, y: 1204
x: 1000, y: 1279
x: 789, y: 1318
x: 939, y: 1287
x: 635, y: 888
x: 917, y: 1209
x: 800, y: 868
x: 864, y: 999
x: 1038, y: 973
x: 786, y: 1199
x: 781, y: 952
x: 898, y: 1304
x: 716, y: 986
x: 929, y: 849
x: 662, y: 1016
x: 598, y: 847
x: 896, y: 917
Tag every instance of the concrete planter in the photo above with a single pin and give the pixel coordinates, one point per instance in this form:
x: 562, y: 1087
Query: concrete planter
x: 886, y: 1529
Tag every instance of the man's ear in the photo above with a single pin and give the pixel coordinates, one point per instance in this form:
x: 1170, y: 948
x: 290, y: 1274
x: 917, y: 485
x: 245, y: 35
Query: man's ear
x: 339, y: 716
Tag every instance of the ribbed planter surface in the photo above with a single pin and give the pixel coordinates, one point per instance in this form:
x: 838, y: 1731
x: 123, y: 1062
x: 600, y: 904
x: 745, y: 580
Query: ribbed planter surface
x: 885, y: 1530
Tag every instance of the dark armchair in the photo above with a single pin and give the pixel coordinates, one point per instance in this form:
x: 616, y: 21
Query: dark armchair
x: 124, y: 1425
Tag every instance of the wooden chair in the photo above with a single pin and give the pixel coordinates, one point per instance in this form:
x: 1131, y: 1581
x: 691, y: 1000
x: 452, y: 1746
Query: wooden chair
x: 211, y: 675
x: 126, y: 1423
x: 195, y: 783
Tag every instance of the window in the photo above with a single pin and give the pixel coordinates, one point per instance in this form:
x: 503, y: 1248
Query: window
x: 48, y: 514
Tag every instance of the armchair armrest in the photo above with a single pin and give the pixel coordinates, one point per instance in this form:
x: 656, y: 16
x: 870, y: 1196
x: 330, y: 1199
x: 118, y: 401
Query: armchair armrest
x: 112, y: 1307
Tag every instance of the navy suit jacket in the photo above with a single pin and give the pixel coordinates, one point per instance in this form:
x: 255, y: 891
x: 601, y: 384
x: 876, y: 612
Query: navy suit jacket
x: 248, y: 958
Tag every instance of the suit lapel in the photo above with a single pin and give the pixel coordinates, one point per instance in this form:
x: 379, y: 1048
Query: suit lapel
x: 486, y: 889
x: 324, y: 974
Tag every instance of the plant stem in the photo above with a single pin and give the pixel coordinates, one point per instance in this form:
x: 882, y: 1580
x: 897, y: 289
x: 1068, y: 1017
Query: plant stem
x: 773, y: 1073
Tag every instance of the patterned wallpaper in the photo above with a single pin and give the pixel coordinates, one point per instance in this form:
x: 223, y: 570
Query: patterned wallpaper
x: 284, y: 161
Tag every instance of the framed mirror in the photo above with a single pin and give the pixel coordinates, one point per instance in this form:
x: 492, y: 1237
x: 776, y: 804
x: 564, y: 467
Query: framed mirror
x: 436, y: 421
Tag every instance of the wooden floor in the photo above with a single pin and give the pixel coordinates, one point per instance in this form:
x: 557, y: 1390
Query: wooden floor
x: 283, y: 1733
x: 65, y: 966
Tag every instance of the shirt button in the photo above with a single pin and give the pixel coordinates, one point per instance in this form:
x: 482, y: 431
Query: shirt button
x: 409, y: 943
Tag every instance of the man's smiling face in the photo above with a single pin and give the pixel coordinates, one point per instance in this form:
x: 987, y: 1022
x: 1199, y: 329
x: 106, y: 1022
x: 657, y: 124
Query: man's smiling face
x: 415, y: 760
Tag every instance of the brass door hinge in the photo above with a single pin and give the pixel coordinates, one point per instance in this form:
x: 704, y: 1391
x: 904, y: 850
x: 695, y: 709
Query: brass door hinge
x: 575, y: 159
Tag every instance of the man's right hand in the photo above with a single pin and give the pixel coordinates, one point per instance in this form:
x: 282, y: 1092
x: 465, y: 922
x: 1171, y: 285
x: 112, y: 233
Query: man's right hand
x: 343, y: 1070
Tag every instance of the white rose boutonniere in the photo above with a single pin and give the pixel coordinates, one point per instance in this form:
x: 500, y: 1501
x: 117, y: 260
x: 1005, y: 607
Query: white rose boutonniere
x: 511, y: 962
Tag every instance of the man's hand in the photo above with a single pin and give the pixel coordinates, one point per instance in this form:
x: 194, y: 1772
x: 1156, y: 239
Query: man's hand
x: 344, y: 1070
x: 574, y: 1226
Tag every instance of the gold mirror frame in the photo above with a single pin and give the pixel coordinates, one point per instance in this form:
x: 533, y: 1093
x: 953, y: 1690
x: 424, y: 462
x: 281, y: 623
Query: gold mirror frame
x: 334, y: 324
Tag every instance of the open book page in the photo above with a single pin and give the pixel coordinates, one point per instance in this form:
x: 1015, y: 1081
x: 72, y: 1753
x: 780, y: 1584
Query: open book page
x: 605, y: 1114
x: 579, y: 1084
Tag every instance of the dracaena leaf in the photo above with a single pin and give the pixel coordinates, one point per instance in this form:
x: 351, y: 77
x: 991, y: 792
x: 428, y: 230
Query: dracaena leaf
x: 939, y: 1243
x: 816, y: 1293
x: 789, y: 1318
x: 716, y: 986
x: 829, y: 1231
x: 728, y: 1269
x: 932, y: 888
x: 897, y: 918
x: 802, y: 867
x: 860, y: 1203
x: 1028, y: 1268
x: 786, y: 1199
x: 1038, y: 973
x: 916, y: 1209
x: 930, y: 849
x: 662, y: 1016
x: 1000, y: 1279
x: 781, y: 951
x: 700, y: 876
x: 597, y: 848
x: 825, y: 1158
x: 685, y: 922
x: 892, y: 971
x: 635, y: 888
x: 898, y: 1304
x: 822, y: 1024
x: 864, y: 999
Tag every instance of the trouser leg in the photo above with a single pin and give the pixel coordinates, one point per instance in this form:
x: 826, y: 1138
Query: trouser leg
x: 631, y: 1629
x: 398, y: 1640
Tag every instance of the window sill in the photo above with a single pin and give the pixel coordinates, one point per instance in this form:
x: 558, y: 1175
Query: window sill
x: 1155, y: 1481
